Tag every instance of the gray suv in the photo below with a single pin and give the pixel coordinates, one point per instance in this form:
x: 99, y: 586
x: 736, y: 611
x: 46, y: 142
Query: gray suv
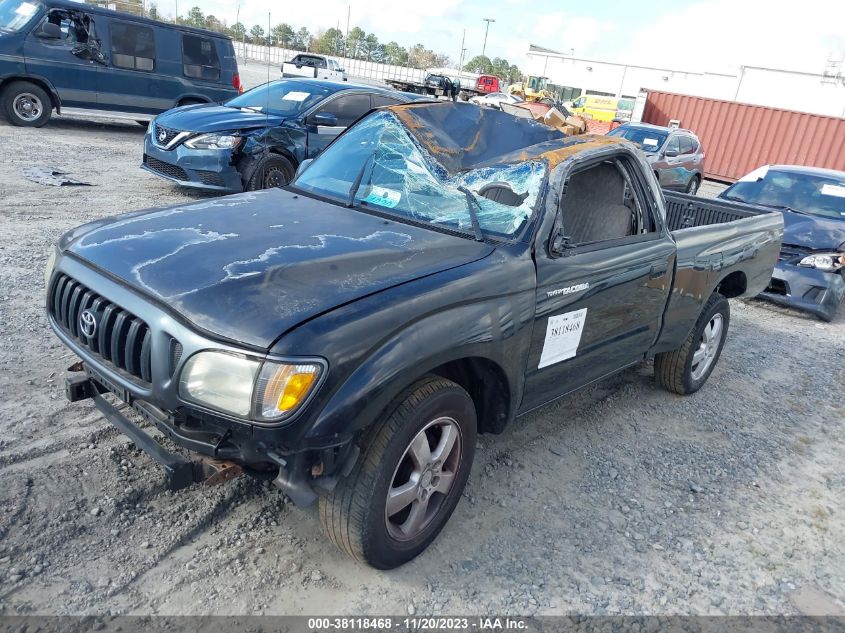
x: 675, y: 155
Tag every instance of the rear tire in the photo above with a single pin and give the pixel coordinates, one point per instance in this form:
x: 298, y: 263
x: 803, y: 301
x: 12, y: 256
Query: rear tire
x: 271, y: 171
x: 686, y: 369
x: 692, y: 185
x: 26, y: 104
x: 412, y: 470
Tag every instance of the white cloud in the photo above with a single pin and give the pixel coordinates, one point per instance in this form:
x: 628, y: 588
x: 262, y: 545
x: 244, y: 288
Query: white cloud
x: 724, y: 34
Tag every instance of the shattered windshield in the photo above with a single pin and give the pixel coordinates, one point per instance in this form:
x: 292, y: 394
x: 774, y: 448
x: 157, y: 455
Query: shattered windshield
x: 16, y: 14
x: 283, y: 98
x: 387, y: 171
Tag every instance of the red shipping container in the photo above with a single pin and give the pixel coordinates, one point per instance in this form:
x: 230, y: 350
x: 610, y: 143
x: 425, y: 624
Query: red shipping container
x: 738, y: 137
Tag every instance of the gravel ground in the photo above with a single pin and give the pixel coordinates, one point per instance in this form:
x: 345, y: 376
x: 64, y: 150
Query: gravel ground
x: 622, y: 498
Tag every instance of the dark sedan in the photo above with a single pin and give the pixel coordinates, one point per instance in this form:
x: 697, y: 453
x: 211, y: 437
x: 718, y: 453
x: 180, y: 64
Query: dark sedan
x: 810, y: 273
x: 258, y: 139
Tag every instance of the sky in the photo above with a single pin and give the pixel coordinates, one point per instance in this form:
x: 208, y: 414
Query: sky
x: 711, y: 35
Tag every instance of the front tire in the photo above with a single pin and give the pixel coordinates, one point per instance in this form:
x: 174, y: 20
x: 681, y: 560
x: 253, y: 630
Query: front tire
x: 413, y: 467
x: 686, y: 369
x: 692, y: 185
x: 271, y: 171
x: 26, y: 104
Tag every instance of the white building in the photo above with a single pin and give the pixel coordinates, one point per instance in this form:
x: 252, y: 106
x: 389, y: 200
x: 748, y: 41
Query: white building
x: 806, y: 92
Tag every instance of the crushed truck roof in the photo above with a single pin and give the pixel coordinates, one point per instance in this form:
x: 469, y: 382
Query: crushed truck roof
x: 464, y: 136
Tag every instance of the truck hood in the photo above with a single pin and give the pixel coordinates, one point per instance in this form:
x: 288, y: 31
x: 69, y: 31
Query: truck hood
x: 211, y: 117
x: 813, y: 232
x: 249, y: 267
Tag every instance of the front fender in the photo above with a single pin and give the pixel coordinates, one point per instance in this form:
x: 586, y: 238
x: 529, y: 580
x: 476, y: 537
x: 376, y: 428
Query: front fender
x: 478, y: 331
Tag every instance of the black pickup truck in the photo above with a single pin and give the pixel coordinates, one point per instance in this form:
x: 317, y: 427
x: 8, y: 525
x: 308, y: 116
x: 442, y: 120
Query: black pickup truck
x: 439, y: 271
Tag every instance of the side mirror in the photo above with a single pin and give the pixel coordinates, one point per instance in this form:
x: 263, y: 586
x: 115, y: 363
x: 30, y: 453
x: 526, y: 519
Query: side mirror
x: 671, y: 153
x: 50, y: 31
x: 302, y: 167
x: 326, y: 119
x: 342, y: 70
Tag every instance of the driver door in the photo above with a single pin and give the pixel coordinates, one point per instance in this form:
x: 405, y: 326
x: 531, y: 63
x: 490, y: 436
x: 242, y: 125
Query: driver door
x: 346, y: 109
x: 74, y: 78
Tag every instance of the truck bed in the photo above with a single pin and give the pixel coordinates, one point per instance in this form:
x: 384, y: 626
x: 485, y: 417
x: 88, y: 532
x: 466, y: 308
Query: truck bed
x: 684, y: 211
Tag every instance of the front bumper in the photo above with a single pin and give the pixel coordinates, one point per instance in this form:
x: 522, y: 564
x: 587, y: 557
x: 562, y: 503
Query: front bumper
x: 211, y: 170
x: 806, y: 289
x: 155, y: 396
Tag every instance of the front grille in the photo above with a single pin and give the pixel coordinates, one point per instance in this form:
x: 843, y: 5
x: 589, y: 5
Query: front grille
x: 169, y: 135
x: 120, y: 339
x: 210, y: 178
x: 166, y: 169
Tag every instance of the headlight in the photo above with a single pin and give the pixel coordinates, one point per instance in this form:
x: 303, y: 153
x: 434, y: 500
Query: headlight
x: 234, y: 384
x: 51, y: 265
x: 824, y: 261
x: 220, y: 381
x: 214, y: 141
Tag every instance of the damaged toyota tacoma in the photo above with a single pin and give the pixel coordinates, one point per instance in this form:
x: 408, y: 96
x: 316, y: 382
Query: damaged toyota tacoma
x: 437, y: 272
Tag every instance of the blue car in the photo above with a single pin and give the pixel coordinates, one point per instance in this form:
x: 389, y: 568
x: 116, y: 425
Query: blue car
x: 64, y: 56
x: 257, y: 140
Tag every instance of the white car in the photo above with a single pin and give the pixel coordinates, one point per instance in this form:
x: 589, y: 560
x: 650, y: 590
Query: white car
x: 494, y: 99
x: 314, y: 67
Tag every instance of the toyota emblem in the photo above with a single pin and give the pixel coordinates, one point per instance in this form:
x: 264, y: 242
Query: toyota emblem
x: 162, y: 136
x: 88, y: 323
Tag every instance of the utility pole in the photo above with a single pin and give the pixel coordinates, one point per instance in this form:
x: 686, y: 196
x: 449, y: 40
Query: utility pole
x: 486, y: 29
x: 346, y: 44
x: 463, y: 50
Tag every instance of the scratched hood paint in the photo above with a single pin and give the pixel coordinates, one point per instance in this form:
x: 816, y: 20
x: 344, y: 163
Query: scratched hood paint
x: 251, y: 266
x: 210, y: 117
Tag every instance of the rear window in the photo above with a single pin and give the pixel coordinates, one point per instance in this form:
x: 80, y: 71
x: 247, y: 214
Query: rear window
x: 199, y: 58
x: 310, y: 60
x: 132, y: 46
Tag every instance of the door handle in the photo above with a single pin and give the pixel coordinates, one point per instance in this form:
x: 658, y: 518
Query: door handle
x: 658, y: 271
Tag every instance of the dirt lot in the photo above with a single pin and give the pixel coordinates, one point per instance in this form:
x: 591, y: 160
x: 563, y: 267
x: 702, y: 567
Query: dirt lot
x: 620, y: 499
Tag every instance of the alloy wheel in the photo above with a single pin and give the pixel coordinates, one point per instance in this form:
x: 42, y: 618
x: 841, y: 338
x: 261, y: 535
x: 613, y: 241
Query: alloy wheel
x: 27, y: 106
x: 708, y: 345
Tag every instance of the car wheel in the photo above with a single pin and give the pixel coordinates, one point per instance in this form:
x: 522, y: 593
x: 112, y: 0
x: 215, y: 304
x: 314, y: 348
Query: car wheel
x: 412, y: 470
x: 271, y: 171
x: 686, y: 369
x: 26, y: 104
x: 692, y: 185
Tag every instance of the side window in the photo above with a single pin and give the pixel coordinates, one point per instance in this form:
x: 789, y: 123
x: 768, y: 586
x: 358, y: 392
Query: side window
x: 603, y: 203
x: 348, y: 108
x: 73, y: 31
x: 673, y: 145
x: 382, y: 100
x: 686, y: 145
x: 199, y: 58
x: 132, y: 46
x: 695, y: 146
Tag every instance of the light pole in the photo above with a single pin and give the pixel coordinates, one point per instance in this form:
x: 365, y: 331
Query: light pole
x: 486, y: 29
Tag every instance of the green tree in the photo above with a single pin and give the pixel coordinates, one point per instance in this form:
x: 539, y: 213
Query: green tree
x: 237, y: 31
x: 330, y: 42
x: 256, y: 34
x: 480, y: 64
x: 283, y: 35
x: 212, y: 23
x: 195, y: 18
x: 354, y: 42
x: 152, y: 11
x: 303, y: 40
x: 395, y: 54
x: 369, y: 47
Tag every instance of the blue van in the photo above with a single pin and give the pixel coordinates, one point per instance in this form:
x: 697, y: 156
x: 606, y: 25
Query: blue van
x: 58, y: 54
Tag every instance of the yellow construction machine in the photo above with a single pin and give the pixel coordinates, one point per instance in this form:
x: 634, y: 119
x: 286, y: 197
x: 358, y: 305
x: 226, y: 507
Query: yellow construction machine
x: 533, y: 88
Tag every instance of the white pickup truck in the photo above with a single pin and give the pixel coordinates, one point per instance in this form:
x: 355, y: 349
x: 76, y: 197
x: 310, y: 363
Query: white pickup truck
x: 313, y: 67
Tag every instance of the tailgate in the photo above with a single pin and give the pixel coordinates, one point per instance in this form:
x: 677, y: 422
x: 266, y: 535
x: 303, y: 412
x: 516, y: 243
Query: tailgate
x: 291, y: 70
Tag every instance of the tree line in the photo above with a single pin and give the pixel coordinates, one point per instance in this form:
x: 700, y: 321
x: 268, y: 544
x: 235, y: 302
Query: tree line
x: 357, y: 45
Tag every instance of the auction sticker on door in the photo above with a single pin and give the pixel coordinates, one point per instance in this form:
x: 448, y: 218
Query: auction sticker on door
x: 563, y: 335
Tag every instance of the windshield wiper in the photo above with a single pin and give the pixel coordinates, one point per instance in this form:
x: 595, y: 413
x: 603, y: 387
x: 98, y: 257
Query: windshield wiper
x: 472, y: 202
x: 784, y: 207
x: 350, y: 201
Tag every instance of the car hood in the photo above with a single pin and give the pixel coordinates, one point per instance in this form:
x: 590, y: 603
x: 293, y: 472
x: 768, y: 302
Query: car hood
x: 250, y: 267
x: 813, y: 232
x: 211, y: 117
